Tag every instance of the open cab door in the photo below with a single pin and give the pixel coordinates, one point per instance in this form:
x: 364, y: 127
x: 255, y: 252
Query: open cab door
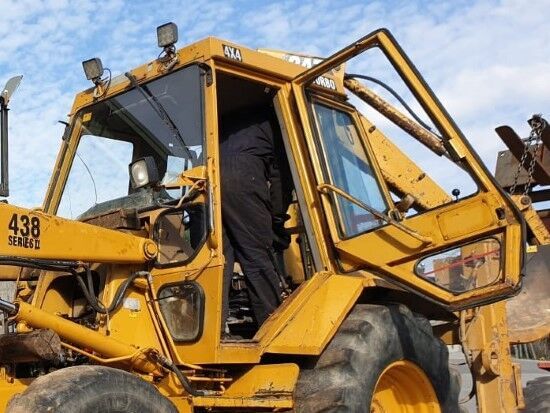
x: 459, y: 252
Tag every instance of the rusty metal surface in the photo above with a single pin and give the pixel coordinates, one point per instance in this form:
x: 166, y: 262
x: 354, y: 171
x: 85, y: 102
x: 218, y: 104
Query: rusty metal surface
x: 507, y: 161
x: 533, y: 219
x: 545, y: 136
x: 124, y: 218
x: 38, y: 345
x: 529, y: 311
x: 415, y: 130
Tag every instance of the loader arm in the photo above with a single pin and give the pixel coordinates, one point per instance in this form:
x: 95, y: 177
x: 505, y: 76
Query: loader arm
x: 32, y: 234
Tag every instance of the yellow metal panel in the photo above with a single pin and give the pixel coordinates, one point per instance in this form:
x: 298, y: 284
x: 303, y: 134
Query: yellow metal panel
x: 310, y: 329
x: 264, y: 380
x: 205, y: 348
x: 34, y: 234
x: 532, y: 219
x: 242, y: 402
x: 485, y: 338
x: 82, y: 336
x: 9, y: 387
x: 466, y: 218
x: 7, y: 272
x: 396, y: 255
x: 132, y: 323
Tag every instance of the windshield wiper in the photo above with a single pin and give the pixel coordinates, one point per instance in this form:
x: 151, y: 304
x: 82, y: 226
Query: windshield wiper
x: 159, y: 110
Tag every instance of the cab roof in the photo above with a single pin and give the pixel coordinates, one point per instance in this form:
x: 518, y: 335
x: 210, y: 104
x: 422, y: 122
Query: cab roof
x: 224, y: 54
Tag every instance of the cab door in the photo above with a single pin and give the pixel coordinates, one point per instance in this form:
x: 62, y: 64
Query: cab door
x: 461, y: 253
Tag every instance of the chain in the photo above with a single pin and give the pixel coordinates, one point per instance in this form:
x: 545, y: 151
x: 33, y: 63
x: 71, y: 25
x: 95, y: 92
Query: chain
x: 533, y: 141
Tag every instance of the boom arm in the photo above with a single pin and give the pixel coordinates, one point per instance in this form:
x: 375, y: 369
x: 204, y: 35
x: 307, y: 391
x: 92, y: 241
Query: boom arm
x: 31, y: 234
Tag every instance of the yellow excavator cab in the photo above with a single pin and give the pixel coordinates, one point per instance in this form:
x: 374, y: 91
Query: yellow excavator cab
x: 120, y: 275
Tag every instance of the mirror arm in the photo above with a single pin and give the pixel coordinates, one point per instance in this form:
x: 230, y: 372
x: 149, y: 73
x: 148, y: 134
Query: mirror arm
x: 187, y: 178
x: 326, y: 188
x: 4, y: 181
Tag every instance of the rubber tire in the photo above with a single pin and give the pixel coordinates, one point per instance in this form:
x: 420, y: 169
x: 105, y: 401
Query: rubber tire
x: 87, y: 389
x: 344, y: 377
x: 537, y: 395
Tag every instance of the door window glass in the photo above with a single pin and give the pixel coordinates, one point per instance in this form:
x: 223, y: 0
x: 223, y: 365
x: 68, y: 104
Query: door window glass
x: 349, y: 170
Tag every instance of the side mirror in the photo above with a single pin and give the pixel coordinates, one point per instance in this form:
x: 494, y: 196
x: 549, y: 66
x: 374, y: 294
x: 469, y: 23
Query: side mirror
x: 5, y: 96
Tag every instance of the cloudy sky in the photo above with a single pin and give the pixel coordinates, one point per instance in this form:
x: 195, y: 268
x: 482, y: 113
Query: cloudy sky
x: 487, y: 60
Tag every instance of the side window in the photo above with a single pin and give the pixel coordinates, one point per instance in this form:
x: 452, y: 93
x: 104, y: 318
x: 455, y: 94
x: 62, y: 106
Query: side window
x: 182, y: 306
x: 349, y: 169
x: 179, y: 233
x: 99, y: 173
x: 465, y: 268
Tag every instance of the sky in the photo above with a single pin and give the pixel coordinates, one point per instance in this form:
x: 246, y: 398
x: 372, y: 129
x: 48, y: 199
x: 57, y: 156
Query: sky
x: 488, y: 61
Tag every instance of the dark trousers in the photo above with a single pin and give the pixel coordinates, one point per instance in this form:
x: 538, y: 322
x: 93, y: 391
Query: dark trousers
x: 246, y: 214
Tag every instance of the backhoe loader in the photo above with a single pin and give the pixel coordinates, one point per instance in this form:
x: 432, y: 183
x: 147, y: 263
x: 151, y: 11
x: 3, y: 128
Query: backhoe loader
x: 120, y: 273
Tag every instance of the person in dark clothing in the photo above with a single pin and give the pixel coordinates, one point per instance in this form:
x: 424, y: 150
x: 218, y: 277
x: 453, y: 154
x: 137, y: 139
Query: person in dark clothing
x: 280, y: 191
x: 247, y: 155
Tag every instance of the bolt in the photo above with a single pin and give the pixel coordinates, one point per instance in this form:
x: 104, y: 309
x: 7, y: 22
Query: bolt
x: 150, y: 249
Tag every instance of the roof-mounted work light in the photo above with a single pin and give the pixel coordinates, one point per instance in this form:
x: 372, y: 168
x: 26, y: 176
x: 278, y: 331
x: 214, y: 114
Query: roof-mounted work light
x: 93, y: 69
x: 167, y: 35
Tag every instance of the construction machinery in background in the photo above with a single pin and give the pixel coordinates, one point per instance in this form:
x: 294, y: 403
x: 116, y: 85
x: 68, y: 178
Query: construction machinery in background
x: 119, y: 275
x: 524, y: 171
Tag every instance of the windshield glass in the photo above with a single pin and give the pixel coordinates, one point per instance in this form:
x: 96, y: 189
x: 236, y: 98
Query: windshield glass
x: 349, y: 169
x: 162, y: 119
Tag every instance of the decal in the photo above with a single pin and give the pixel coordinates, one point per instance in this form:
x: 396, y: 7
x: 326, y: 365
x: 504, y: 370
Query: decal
x: 325, y: 82
x: 304, y: 61
x: 25, y: 230
x: 232, y: 53
x: 87, y: 117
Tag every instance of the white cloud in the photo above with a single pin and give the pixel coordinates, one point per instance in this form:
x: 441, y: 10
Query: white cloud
x: 487, y: 60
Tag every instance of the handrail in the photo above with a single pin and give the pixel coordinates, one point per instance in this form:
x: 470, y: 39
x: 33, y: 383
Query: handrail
x: 325, y: 188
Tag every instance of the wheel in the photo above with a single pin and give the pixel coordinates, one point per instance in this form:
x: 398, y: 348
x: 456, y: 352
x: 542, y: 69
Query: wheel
x: 537, y: 395
x: 382, y: 359
x: 87, y: 389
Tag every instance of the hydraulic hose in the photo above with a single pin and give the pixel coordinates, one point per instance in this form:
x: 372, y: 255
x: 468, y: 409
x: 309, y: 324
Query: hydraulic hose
x: 89, y: 293
x: 168, y: 364
x: 394, y: 93
x: 87, y: 288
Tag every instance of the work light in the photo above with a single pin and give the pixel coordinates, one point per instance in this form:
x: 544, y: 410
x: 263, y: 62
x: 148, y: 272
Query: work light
x: 167, y: 34
x: 93, y: 69
x: 144, y: 172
